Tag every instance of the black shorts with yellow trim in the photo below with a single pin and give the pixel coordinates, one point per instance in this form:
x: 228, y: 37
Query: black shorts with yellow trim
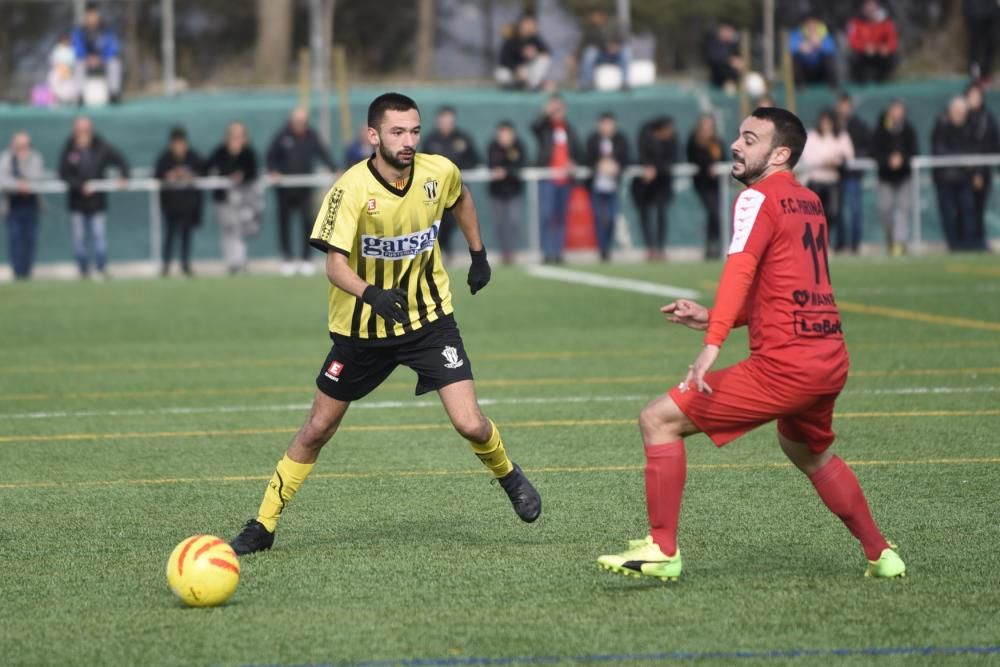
x: 353, y: 370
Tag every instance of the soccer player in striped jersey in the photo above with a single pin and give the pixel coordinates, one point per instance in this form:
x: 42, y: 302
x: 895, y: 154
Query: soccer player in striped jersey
x: 776, y: 282
x: 390, y: 305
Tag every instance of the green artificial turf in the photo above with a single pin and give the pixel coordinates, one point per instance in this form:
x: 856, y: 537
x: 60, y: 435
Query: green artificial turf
x: 136, y: 413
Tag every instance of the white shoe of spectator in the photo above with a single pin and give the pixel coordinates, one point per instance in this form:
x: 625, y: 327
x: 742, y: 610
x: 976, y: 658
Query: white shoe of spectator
x: 307, y: 268
x: 288, y: 269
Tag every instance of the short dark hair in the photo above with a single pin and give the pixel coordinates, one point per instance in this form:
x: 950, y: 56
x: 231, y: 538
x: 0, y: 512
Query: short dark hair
x: 788, y: 130
x: 177, y: 132
x: 607, y: 115
x: 91, y: 7
x: 388, y: 102
x: 447, y: 109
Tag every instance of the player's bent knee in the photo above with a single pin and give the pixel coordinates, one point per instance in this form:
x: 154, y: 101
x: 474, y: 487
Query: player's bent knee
x: 473, y: 427
x: 662, y: 421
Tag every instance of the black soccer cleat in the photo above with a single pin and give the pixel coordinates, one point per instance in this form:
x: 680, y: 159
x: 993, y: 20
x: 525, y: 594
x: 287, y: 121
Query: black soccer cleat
x: 523, y: 496
x: 254, y: 537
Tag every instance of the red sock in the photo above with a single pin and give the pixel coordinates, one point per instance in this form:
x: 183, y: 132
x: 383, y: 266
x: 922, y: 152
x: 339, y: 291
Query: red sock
x: 838, y: 487
x: 666, y: 470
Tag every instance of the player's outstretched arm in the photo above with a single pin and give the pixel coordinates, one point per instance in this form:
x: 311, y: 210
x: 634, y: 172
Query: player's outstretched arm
x: 690, y: 314
x: 389, y: 304
x: 465, y: 214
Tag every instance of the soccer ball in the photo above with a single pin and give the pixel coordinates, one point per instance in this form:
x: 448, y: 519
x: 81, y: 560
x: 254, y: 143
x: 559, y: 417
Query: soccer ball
x: 203, y: 571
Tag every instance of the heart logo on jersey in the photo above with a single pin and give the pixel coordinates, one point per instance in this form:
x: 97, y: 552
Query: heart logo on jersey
x: 801, y: 296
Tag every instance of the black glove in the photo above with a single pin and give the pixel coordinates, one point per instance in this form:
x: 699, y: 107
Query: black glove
x: 390, y: 304
x: 479, y: 272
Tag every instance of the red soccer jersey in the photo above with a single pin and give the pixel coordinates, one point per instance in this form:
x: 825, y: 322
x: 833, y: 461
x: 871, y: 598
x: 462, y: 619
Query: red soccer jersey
x: 777, y: 280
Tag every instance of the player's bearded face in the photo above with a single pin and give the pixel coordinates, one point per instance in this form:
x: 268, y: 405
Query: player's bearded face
x: 751, y: 152
x: 398, y: 137
x: 398, y: 159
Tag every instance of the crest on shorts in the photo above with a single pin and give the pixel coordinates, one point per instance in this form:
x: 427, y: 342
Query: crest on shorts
x: 450, y: 355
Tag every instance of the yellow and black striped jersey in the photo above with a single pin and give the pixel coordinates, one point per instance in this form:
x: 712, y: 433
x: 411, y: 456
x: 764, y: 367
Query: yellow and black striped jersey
x: 390, y: 238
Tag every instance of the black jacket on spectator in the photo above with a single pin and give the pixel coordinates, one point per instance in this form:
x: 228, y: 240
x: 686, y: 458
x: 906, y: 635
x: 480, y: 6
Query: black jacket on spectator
x: 180, y: 202
x: 704, y: 157
x: 291, y: 153
x: 861, y: 139
x: 619, y: 152
x: 885, y: 142
x: 511, y: 158
x: 985, y: 133
x: 660, y: 154
x: 542, y: 129
x: 511, y: 51
x: 717, y: 54
x: 224, y: 163
x: 949, y: 139
x: 79, y: 165
x: 457, y: 147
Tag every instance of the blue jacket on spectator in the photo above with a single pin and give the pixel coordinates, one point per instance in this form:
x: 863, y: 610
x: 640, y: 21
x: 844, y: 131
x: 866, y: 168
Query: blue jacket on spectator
x: 106, y: 43
x: 827, y: 48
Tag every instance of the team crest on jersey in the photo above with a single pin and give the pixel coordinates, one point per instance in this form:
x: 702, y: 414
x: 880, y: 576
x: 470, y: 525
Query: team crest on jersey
x: 371, y: 206
x: 431, y: 188
x: 450, y: 355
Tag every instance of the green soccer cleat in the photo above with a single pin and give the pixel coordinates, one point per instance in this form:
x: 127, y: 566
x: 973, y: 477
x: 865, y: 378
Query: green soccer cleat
x: 888, y: 566
x: 643, y: 559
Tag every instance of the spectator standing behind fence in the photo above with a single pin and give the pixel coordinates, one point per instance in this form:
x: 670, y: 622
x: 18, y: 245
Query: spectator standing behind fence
x: 828, y: 149
x: 97, y: 54
x: 986, y: 138
x: 873, y: 41
x: 704, y: 150
x: 602, y: 42
x: 721, y: 51
x: 952, y: 136
x: 851, y: 213
x: 982, y: 20
x: 456, y: 145
x: 180, y: 201
x: 238, y: 207
x: 295, y: 150
x: 20, y: 167
x: 525, y: 60
x: 607, y: 157
x: 894, y: 143
x: 505, y: 157
x: 85, y: 158
x: 813, y: 53
x: 654, y: 188
x: 559, y: 150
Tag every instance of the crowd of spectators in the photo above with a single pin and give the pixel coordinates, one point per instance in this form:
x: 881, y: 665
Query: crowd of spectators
x: 641, y: 166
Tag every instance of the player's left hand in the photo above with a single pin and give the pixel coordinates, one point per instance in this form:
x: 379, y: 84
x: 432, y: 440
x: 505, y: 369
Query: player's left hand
x: 696, y: 372
x: 479, y: 272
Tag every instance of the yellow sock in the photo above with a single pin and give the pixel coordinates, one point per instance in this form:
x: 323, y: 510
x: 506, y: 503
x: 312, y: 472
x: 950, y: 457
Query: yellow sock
x: 492, y: 453
x: 288, y: 477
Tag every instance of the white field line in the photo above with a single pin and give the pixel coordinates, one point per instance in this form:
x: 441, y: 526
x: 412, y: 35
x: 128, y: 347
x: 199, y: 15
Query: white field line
x: 381, y: 405
x: 627, y: 284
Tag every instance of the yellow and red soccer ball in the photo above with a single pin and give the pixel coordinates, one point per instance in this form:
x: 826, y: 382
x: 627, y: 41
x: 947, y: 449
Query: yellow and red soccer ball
x: 203, y: 571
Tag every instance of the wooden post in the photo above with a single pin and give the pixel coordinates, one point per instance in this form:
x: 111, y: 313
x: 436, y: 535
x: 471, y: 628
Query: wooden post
x: 305, y: 87
x: 745, y: 55
x: 788, y: 70
x: 343, y: 94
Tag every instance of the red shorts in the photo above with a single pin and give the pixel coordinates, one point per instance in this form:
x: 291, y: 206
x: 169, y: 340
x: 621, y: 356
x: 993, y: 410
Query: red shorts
x: 741, y: 400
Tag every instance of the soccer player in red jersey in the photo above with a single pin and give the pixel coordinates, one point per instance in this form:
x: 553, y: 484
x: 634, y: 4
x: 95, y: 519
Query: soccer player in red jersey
x: 776, y: 281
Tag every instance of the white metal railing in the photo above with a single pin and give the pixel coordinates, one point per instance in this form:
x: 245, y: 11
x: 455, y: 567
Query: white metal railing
x: 142, y: 182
